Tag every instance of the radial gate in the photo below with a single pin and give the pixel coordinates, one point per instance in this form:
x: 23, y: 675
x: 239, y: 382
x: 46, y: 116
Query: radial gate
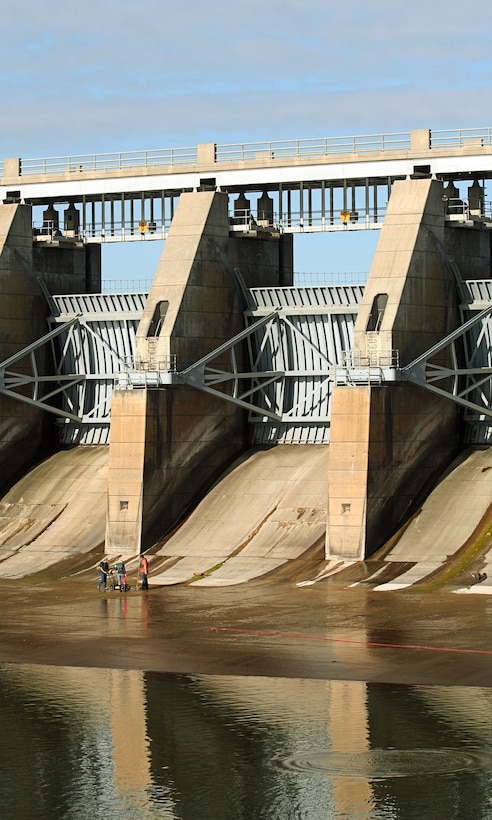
x: 299, y: 343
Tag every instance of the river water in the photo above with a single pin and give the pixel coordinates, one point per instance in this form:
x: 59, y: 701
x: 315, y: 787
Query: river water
x: 81, y: 743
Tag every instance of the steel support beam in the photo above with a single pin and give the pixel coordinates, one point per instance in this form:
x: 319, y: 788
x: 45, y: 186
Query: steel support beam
x: 424, y: 373
x: 10, y: 381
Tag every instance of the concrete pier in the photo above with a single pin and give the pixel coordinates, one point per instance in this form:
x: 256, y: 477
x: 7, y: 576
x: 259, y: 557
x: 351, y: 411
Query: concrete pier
x: 168, y: 445
x: 390, y: 442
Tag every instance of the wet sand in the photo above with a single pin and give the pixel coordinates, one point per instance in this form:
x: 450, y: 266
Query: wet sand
x: 323, y: 631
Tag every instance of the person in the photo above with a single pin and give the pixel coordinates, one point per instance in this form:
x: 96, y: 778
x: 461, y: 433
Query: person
x: 103, y: 573
x: 120, y: 573
x: 144, y: 572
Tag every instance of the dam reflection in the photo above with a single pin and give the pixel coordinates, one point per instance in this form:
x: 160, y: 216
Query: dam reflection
x: 88, y: 743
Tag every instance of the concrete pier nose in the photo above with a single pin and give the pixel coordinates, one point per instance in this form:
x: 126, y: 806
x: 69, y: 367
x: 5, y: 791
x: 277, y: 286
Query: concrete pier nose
x: 391, y: 440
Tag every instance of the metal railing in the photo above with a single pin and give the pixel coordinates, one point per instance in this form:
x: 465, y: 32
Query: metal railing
x: 298, y: 221
x: 103, y: 231
x: 374, y: 368
x: 373, y: 358
x: 322, y: 147
x: 295, y: 221
x: 461, y: 208
x: 118, y: 161
x: 303, y: 279
x: 253, y: 152
x: 166, y: 364
x: 462, y: 138
x: 113, y: 286
x: 140, y: 374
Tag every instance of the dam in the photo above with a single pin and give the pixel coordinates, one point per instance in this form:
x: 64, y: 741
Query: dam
x: 228, y: 421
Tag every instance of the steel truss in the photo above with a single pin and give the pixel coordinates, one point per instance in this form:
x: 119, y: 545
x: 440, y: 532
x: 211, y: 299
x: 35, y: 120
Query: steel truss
x: 207, y: 378
x: 297, y: 346
x: 12, y: 383
x: 91, y: 338
x: 466, y: 385
x: 266, y: 393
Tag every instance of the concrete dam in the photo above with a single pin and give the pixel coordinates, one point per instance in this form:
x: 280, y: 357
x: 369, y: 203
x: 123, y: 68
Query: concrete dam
x: 232, y: 425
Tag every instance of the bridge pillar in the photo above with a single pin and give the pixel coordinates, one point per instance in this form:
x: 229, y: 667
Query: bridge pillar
x: 167, y: 445
x: 420, y: 140
x: 389, y: 442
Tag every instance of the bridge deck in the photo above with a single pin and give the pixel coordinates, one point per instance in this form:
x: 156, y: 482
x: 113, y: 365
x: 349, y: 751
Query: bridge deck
x: 322, y: 184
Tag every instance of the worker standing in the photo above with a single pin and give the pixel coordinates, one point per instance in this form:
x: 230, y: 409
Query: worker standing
x: 120, y: 573
x: 103, y: 573
x: 144, y: 571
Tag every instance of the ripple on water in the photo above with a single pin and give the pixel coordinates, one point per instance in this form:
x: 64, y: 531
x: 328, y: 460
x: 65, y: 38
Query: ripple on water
x: 381, y: 764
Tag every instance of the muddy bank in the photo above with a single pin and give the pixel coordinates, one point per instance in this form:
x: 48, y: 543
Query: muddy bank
x: 319, y: 632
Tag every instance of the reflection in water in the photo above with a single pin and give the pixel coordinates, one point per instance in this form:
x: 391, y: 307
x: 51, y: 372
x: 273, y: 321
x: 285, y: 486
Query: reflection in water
x: 90, y: 743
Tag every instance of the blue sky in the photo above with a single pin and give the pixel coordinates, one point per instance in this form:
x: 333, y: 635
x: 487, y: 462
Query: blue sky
x: 118, y: 75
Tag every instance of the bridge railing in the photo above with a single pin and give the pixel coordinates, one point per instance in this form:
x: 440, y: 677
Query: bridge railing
x: 237, y: 152
x: 298, y: 221
x: 108, y: 162
x: 116, y: 229
x: 462, y: 138
x: 337, y: 220
x: 117, y: 286
x: 326, y: 146
x: 252, y: 151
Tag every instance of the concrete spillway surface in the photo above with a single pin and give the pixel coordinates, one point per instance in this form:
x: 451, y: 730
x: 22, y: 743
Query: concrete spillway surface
x: 447, y: 519
x: 269, y: 509
x: 56, y: 512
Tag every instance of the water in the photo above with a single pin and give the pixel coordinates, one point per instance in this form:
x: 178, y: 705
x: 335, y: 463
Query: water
x: 108, y: 743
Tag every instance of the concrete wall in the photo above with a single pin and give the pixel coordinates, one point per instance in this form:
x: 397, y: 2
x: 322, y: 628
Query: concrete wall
x: 67, y: 267
x: 22, y: 321
x: 177, y: 440
x: 275, y: 252
x: 389, y: 443
x: 348, y: 467
x: 26, y: 431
